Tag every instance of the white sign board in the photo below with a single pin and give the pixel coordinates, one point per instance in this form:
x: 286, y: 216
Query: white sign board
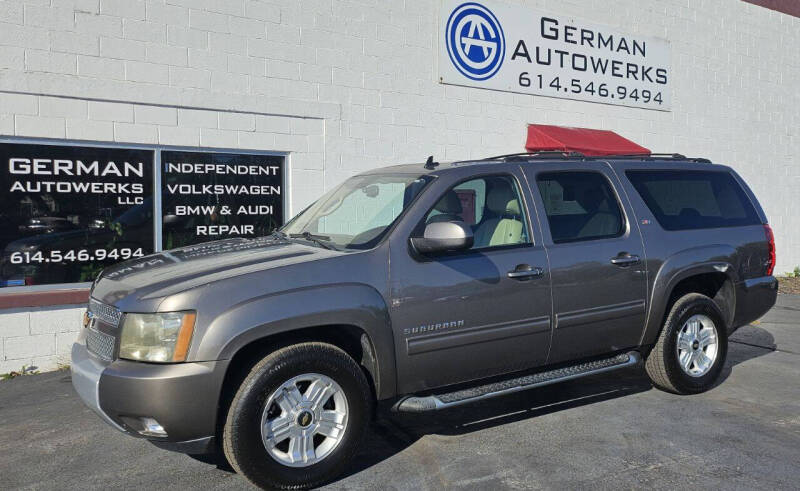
x: 495, y: 46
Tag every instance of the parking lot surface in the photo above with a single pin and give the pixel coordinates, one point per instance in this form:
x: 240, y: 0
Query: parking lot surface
x: 607, y: 431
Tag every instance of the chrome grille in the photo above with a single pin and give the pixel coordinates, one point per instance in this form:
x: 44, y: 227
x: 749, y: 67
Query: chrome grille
x: 106, y: 313
x: 100, y: 344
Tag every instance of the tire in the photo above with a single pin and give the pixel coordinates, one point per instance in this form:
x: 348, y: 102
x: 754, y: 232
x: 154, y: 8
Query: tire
x: 663, y: 364
x: 243, y: 443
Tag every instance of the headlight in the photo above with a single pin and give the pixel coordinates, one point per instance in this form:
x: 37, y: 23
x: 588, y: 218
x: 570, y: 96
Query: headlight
x: 159, y: 338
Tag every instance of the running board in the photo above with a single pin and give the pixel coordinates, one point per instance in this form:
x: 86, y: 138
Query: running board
x: 416, y: 404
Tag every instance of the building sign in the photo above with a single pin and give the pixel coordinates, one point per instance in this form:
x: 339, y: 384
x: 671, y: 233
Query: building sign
x: 209, y: 196
x: 69, y: 211
x: 495, y: 46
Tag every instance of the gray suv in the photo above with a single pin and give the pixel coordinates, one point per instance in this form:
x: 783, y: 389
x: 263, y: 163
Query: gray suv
x: 422, y: 287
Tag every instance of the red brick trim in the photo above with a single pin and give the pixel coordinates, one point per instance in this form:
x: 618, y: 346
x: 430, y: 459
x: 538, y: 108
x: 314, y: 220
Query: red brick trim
x: 790, y: 7
x: 45, y: 298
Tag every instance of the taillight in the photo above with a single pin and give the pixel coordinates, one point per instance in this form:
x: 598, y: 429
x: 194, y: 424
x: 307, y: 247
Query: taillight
x: 771, y: 248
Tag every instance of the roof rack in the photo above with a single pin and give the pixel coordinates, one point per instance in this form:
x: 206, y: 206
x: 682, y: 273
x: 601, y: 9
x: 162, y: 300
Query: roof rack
x: 544, y: 154
x: 558, y: 154
x: 646, y: 156
x: 656, y: 156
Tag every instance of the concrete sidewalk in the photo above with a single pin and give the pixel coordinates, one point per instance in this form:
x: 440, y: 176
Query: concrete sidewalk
x: 607, y: 431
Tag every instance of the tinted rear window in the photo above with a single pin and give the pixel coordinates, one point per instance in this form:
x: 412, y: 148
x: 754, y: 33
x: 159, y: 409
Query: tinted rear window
x: 685, y: 200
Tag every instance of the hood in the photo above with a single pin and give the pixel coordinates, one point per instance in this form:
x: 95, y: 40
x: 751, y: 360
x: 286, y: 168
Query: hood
x: 170, y: 272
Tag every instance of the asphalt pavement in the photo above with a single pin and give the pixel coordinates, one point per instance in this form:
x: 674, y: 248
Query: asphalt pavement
x: 607, y: 431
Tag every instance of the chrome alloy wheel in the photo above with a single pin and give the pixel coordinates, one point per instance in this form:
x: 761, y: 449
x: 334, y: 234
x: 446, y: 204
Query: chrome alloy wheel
x: 697, y: 345
x: 304, y: 420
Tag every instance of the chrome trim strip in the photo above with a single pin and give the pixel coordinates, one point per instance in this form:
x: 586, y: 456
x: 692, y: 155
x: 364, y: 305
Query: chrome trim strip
x: 598, y: 314
x: 490, y: 332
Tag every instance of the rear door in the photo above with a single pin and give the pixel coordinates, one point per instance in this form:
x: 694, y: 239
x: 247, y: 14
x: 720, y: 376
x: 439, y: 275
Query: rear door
x: 596, y: 256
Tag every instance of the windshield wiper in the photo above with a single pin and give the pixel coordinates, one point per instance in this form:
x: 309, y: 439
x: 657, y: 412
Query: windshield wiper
x: 320, y: 240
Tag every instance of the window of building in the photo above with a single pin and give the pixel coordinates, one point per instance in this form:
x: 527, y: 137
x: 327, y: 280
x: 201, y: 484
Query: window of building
x: 216, y: 195
x: 70, y: 210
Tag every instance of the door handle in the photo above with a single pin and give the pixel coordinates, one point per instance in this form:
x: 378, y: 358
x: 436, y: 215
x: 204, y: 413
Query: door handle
x: 625, y: 260
x: 525, y: 271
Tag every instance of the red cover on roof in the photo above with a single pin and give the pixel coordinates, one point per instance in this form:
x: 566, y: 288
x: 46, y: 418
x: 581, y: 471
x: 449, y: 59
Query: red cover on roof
x: 584, y: 140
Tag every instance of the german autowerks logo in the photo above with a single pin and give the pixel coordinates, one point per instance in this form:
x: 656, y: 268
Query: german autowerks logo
x: 475, y: 41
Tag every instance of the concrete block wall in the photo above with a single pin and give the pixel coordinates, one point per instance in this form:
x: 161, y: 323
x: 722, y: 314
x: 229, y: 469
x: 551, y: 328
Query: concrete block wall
x: 349, y: 85
x: 61, y: 117
x: 38, y: 337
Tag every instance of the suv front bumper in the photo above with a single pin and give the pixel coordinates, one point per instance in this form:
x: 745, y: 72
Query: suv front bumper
x: 182, y: 397
x: 86, y: 371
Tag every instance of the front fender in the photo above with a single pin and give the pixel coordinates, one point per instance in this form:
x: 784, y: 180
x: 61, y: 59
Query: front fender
x: 330, y: 305
x: 678, y: 267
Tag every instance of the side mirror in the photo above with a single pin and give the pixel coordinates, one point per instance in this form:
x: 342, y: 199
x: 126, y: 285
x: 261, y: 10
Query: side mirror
x: 444, y: 237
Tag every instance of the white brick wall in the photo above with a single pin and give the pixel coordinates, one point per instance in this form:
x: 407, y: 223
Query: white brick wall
x: 123, y: 122
x: 40, y: 337
x: 348, y: 85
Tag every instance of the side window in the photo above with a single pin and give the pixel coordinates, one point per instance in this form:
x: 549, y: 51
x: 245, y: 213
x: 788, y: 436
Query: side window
x: 685, y: 200
x: 579, y: 206
x: 490, y: 205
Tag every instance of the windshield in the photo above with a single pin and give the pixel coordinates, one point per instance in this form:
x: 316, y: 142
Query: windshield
x: 357, y: 213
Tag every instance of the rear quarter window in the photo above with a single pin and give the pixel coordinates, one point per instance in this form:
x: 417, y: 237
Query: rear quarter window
x: 687, y: 200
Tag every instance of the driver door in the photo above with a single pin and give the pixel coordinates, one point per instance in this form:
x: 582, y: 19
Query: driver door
x: 460, y: 316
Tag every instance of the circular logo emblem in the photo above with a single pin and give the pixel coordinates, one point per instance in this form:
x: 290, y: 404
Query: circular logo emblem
x: 475, y: 41
x: 304, y: 419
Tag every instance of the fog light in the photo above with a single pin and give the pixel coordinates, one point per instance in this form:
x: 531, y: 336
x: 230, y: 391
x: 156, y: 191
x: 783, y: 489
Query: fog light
x: 151, y: 428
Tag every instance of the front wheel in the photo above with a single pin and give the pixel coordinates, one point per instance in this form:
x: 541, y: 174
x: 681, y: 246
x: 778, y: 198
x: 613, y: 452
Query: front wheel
x: 690, y: 352
x: 298, y: 417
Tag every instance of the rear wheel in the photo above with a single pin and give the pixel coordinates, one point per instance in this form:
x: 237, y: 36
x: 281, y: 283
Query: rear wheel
x: 298, y: 417
x: 691, y: 349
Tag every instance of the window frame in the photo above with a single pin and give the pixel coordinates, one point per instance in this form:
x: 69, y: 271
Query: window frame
x: 419, y: 228
x: 624, y: 221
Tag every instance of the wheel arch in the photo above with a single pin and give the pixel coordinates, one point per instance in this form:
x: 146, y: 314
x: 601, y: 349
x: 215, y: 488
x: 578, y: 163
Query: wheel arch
x: 352, y: 317
x: 684, y: 273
